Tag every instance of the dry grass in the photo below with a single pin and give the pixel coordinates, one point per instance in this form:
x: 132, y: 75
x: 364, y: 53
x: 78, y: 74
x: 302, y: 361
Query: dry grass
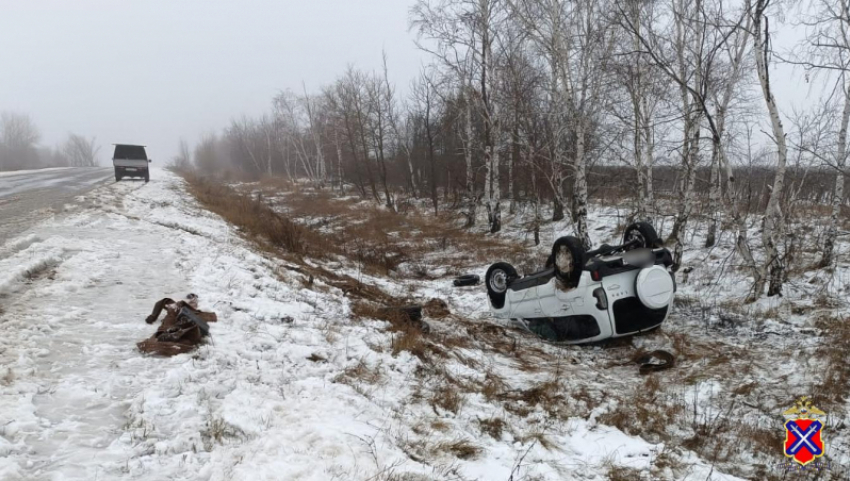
x: 547, y: 395
x: 493, y: 427
x: 461, y: 449
x: 831, y: 395
x: 621, y: 473
x: 253, y: 217
x: 446, y: 397
x: 381, y: 240
x: 645, y: 412
x: 410, y: 339
x: 360, y: 373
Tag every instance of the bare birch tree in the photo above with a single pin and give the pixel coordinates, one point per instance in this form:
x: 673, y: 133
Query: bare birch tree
x: 774, y: 221
x: 80, y: 151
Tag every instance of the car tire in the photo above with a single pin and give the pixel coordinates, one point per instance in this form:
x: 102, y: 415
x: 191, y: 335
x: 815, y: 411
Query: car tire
x: 117, y: 177
x: 498, y: 279
x: 643, y: 232
x: 467, y: 280
x: 147, y: 177
x: 568, y: 258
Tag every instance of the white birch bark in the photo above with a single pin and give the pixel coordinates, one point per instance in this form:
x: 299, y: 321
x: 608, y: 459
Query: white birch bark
x: 827, y: 256
x: 470, y: 172
x: 773, y: 218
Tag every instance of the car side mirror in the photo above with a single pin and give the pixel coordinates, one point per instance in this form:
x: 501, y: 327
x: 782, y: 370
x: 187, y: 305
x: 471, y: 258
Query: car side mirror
x: 150, y: 160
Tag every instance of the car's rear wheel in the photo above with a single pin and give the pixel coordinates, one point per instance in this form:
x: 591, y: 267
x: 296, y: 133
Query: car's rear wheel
x: 147, y: 176
x: 568, y: 258
x: 642, y: 236
x: 498, y: 279
x: 117, y: 176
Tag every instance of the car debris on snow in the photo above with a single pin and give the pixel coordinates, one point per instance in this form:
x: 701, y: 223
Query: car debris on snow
x: 182, y: 330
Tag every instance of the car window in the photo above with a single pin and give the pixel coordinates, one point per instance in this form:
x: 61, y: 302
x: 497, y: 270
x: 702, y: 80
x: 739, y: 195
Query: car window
x: 130, y: 152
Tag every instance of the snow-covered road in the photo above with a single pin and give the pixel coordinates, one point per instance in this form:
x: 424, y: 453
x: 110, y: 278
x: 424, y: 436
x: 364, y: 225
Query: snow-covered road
x: 29, y: 196
x: 278, y: 395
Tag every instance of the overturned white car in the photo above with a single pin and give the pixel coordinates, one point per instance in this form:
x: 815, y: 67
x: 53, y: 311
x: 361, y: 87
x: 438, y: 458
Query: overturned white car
x: 586, y: 296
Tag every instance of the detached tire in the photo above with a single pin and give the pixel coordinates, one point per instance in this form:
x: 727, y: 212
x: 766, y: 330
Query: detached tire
x: 468, y: 280
x: 568, y: 258
x: 499, y: 277
x: 644, y: 233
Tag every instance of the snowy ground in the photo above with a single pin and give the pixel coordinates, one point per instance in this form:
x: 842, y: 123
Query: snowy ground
x: 292, y: 386
x: 739, y: 365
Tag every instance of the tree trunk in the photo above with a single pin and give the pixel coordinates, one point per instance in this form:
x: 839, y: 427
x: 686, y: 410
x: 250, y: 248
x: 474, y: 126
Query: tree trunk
x: 431, y: 160
x: 642, y: 204
x: 470, y: 172
x: 580, y: 187
x: 827, y: 256
x: 686, y: 189
x: 774, y: 222
x: 714, y: 196
x: 649, y: 143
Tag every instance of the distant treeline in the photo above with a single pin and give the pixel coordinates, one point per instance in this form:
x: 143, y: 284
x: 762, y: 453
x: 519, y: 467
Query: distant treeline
x: 20, y: 147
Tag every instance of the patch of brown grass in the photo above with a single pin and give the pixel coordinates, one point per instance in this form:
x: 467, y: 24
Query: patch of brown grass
x: 381, y: 240
x: 832, y: 392
x: 493, y: 386
x: 622, y: 473
x: 410, y: 339
x: 360, y: 372
x: 461, y: 449
x: 645, y: 412
x: 256, y: 220
x: 446, y: 397
x: 493, y: 427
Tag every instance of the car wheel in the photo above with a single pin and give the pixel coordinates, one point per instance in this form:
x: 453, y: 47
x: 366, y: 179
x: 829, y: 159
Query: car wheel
x: 499, y: 277
x: 117, y: 177
x: 568, y: 258
x: 147, y: 177
x: 644, y: 234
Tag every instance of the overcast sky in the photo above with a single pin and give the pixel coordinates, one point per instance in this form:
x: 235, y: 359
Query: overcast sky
x: 154, y: 71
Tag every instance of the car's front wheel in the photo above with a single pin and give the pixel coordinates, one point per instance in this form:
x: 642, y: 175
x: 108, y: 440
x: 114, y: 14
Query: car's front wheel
x: 499, y: 277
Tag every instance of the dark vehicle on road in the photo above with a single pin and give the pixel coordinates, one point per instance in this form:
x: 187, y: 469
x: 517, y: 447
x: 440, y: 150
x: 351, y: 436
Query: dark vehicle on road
x: 131, y: 161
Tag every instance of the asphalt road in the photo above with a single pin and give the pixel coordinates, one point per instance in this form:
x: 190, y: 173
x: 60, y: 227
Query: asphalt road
x: 27, y: 197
